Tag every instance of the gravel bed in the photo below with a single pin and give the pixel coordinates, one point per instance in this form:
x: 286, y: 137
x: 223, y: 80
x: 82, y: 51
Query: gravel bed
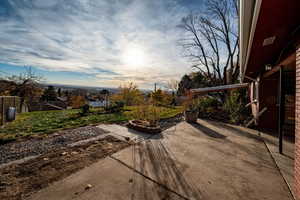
x: 167, y: 123
x: 18, y: 150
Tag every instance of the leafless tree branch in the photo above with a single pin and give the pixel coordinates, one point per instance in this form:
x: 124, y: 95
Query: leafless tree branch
x: 212, y: 40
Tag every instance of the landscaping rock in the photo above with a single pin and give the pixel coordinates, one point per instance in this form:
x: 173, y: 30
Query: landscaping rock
x: 88, y: 186
x: 36, y: 146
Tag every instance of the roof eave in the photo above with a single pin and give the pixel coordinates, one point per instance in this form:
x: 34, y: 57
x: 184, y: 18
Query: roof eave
x: 249, y: 12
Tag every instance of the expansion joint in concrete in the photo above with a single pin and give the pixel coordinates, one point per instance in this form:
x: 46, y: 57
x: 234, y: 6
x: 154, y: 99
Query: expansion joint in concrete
x: 278, y: 168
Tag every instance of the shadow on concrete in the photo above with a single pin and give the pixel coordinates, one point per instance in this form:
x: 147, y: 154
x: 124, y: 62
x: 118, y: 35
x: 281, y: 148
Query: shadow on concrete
x: 268, y: 138
x: 153, y: 159
x: 235, y: 130
x: 207, y: 131
x: 155, y: 136
x: 142, y: 135
x: 288, y: 156
x: 236, y: 144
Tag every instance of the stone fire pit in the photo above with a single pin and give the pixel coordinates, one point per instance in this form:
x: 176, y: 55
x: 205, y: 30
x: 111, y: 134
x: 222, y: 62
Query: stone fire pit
x: 143, y: 126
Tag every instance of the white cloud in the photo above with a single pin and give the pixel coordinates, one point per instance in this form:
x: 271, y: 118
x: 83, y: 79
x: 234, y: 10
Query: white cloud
x: 88, y: 35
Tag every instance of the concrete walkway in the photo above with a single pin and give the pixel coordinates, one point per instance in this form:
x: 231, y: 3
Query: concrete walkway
x: 207, y: 160
x: 285, y: 161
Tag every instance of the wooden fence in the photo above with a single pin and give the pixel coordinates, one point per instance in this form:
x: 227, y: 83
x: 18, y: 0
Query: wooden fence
x: 5, y: 103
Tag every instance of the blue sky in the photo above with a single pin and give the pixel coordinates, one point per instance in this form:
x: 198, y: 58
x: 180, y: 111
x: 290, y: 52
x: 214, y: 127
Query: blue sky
x: 95, y: 42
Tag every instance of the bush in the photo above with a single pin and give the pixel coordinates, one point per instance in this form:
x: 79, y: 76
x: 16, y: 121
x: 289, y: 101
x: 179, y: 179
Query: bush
x: 129, y: 94
x: 77, y: 101
x: 208, y: 104
x: 114, y: 107
x: 148, y: 113
x: 84, y: 110
x: 120, y: 104
x: 234, y: 107
x: 161, y: 98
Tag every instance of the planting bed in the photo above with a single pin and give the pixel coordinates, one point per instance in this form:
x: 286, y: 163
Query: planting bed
x: 33, y: 146
x: 143, y: 126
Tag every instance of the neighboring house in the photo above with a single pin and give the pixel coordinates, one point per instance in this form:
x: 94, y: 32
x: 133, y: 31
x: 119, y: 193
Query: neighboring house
x: 37, y: 105
x: 98, y: 103
x: 101, y: 100
x: 270, y: 63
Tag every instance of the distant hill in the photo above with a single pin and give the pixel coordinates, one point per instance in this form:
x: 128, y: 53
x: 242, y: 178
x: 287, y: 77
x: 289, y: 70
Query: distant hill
x: 73, y: 87
x: 89, y: 88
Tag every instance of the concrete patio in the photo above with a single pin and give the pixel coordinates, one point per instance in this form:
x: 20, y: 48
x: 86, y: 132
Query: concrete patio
x: 207, y: 160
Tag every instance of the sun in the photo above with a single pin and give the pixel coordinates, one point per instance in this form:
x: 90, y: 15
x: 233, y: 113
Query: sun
x: 134, y: 57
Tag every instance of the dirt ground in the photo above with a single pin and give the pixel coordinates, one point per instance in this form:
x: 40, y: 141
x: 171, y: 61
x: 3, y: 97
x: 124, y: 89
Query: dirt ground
x: 18, y: 181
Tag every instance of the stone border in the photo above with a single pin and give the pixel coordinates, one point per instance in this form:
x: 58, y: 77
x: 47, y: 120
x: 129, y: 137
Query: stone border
x: 146, y: 129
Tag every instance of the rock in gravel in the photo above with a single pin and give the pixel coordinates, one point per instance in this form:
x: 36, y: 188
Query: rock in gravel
x: 88, y: 186
x: 64, y: 153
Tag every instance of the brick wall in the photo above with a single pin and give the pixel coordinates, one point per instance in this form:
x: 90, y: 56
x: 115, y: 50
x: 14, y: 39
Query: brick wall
x: 297, y: 141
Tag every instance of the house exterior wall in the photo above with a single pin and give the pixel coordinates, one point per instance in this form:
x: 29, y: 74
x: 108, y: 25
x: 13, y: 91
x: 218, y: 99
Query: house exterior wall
x: 297, y: 131
x: 268, y: 98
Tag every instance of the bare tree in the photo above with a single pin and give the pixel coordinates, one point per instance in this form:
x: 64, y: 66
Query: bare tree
x: 27, y: 85
x: 211, y: 41
x: 172, y: 85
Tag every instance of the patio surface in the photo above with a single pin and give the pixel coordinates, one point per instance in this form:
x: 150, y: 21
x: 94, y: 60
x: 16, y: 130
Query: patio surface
x: 284, y: 161
x: 207, y: 160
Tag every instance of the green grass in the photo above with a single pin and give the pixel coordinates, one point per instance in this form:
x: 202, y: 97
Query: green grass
x: 45, y: 122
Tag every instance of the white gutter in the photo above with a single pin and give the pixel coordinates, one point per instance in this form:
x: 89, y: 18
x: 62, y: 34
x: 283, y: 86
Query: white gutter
x: 249, y: 13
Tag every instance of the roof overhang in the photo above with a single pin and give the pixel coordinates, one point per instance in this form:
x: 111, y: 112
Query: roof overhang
x: 266, y: 29
x: 249, y: 11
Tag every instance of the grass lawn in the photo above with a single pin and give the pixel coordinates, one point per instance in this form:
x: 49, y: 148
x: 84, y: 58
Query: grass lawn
x: 44, y: 122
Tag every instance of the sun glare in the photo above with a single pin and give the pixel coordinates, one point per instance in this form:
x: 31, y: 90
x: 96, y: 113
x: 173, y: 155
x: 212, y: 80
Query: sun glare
x: 134, y: 57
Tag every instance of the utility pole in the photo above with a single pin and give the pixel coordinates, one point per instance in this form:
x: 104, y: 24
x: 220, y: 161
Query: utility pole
x: 154, y: 87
